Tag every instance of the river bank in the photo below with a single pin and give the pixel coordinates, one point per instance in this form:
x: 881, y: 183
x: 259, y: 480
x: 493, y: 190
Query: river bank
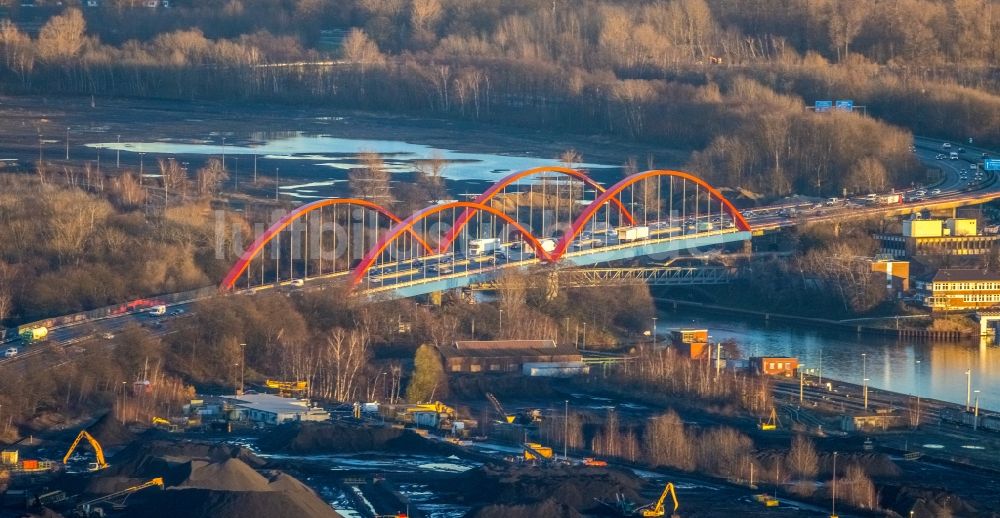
x: 926, y: 368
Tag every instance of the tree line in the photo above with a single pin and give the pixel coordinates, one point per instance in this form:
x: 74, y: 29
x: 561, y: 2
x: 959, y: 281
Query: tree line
x: 728, y: 78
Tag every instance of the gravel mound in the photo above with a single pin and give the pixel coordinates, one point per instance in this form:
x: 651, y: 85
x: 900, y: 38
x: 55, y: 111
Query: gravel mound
x: 206, y: 480
x: 204, y: 503
x: 228, y: 475
x: 342, y: 438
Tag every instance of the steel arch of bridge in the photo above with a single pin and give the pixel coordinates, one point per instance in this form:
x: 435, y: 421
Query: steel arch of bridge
x: 508, y: 180
x: 610, y: 194
x: 406, y: 226
x: 258, y: 245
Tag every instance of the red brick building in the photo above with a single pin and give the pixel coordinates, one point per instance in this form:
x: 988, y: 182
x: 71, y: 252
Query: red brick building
x: 774, y: 365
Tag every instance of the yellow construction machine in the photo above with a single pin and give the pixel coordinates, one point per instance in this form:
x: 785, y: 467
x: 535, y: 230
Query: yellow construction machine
x: 87, y: 509
x: 98, y: 451
x: 535, y: 451
x: 771, y: 423
x: 165, y: 424
x: 658, y: 509
x: 288, y: 388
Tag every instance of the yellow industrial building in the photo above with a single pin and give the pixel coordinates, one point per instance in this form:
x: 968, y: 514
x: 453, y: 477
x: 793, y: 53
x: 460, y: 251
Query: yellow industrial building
x: 937, y: 237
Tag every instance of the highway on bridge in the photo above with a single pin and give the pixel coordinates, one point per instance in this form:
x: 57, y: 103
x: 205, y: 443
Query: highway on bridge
x: 591, y: 242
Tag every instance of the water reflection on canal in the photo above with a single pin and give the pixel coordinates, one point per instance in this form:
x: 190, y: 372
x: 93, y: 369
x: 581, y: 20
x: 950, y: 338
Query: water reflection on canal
x: 928, y: 369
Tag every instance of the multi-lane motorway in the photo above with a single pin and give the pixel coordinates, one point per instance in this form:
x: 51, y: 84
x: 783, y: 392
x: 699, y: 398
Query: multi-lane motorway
x: 958, y: 184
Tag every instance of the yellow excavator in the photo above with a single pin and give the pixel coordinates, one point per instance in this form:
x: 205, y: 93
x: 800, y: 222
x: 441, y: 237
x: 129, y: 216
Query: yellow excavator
x: 771, y: 423
x: 658, y: 509
x: 98, y: 451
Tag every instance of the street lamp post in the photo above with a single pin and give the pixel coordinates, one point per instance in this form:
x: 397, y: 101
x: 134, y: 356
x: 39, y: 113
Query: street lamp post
x: 833, y: 500
x: 67, y: 142
x: 968, y: 388
x: 501, y: 323
x: 654, y: 332
x: 866, y: 394
x: 118, y: 153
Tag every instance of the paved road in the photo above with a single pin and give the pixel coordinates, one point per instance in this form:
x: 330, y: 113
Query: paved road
x: 957, y: 184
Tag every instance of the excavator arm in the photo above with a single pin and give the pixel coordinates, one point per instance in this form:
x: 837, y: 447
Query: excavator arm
x: 98, y: 451
x: 658, y: 509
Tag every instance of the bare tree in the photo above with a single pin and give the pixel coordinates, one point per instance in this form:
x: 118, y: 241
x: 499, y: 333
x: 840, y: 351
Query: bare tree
x: 371, y: 180
x: 62, y: 36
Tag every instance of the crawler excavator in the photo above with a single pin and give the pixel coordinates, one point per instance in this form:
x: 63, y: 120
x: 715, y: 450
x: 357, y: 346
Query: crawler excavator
x: 98, y: 451
x: 657, y: 509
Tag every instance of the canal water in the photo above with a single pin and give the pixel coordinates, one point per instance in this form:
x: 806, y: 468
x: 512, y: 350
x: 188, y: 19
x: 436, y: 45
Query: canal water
x: 924, y: 368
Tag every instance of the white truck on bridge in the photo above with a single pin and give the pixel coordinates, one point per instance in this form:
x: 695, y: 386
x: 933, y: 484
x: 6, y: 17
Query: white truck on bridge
x: 483, y: 246
x: 626, y: 234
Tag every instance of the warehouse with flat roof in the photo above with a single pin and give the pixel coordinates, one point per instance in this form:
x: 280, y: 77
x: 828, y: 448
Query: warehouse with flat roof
x: 528, y: 357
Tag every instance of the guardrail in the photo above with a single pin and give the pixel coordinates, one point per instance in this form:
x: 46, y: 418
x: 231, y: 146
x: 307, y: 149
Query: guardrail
x: 116, y: 310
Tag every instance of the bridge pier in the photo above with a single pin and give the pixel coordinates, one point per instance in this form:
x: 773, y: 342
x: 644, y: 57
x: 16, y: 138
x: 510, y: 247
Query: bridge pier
x: 552, y: 285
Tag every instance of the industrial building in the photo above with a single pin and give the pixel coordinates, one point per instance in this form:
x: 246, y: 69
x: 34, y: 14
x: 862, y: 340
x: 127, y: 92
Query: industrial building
x: 529, y: 357
x: 272, y: 409
x: 774, y: 365
x: 954, y: 289
x: 896, y: 274
x: 691, y: 343
x: 936, y: 237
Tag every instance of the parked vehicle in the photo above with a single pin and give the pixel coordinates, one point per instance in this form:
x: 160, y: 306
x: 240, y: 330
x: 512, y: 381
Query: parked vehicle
x: 10, y: 352
x: 158, y: 311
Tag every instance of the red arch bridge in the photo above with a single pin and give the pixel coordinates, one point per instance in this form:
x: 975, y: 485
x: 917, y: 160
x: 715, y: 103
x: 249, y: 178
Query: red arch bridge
x: 544, y: 216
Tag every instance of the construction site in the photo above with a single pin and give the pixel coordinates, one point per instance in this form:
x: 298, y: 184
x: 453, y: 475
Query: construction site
x: 539, y: 448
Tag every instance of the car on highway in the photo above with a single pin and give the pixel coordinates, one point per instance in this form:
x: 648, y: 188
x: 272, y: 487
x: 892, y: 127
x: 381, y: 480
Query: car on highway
x: 985, y: 155
x: 946, y: 145
x: 939, y: 156
x: 10, y: 352
x: 936, y: 191
x: 107, y: 335
x: 177, y: 312
x: 921, y: 192
x: 298, y: 283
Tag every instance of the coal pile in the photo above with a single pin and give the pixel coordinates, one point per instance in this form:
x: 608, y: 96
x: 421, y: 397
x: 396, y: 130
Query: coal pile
x: 545, y: 509
x: 308, y: 438
x: 533, y: 488
x: 206, y: 480
x: 927, y: 503
x: 110, y: 432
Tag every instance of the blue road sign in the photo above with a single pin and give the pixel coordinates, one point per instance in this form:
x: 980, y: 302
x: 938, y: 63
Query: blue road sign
x: 823, y: 106
x: 845, y: 105
x: 991, y: 164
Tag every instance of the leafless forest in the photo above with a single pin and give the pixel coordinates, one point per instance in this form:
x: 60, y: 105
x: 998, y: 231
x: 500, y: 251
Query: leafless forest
x: 731, y: 79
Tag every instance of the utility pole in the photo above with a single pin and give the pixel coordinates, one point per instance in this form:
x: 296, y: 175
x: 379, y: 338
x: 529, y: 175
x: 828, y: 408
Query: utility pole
x: 654, y: 332
x: 975, y: 422
x: 718, y: 360
x: 275, y: 184
x: 566, y: 432
x: 243, y: 360
x: 501, y: 323
x: 866, y: 394
x: 67, y: 142
x: 801, y: 384
x: 118, y: 153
